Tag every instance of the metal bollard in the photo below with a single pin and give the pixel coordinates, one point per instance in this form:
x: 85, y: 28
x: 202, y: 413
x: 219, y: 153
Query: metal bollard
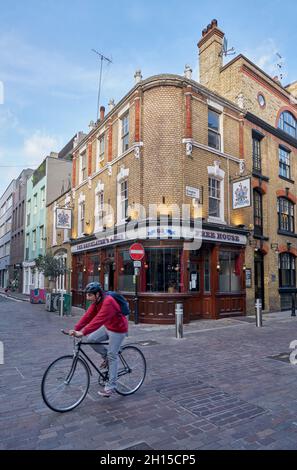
x: 179, y: 314
x: 258, y: 306
x: 293, y: 314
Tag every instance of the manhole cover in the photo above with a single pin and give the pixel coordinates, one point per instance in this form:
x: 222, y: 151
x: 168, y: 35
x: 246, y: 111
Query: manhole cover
x: 139, y: 446
x: 283, y: 357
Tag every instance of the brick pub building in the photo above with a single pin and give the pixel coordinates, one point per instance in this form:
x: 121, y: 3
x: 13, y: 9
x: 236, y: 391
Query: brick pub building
x: 169, y: 141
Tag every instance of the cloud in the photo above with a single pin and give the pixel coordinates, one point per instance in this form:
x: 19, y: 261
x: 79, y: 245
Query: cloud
x: 39, y: 145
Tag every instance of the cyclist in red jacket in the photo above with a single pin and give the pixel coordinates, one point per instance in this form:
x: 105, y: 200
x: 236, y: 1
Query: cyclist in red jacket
x: 103, y: 321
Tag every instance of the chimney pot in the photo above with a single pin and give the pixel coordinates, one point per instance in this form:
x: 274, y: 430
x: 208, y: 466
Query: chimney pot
x: 137, y: 76
x: 111, y: 104
x: 214, y: 23
x: 102, y: 112
x: 204, y: 31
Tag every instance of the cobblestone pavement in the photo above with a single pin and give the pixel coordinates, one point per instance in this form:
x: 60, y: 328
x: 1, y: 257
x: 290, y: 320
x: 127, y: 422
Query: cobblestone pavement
x: 225, y: 385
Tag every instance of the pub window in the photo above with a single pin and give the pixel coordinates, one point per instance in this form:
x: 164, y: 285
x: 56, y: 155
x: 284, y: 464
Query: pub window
x: 125, y: 132
x: 284, y: 163
x: 258, y: 213
x: 229, y: 273
x: 287, y: 272
x: 163, y: 270
x: 214, y: 137
x: 285, y: 210
x: 257, y: 163
x: 214, y: 191
x: 126, y: 272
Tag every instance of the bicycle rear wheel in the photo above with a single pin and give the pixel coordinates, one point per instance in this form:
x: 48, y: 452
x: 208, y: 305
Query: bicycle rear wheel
x: 131, y: 370
x: 65, y: 383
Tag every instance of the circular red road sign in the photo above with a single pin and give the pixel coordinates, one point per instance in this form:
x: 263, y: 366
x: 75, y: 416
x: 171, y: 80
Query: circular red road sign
x: 136, y: 251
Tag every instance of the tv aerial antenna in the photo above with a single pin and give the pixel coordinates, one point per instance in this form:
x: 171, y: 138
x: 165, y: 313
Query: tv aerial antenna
x: 109, y: 61
x: 225, y: 51
x: 280, y: 66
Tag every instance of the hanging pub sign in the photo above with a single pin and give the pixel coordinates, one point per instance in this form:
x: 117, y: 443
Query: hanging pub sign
x: 63, y: 218
x: 241, y: 193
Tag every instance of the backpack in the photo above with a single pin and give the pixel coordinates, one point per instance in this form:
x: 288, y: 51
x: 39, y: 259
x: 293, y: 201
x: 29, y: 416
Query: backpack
x: 124, y: 306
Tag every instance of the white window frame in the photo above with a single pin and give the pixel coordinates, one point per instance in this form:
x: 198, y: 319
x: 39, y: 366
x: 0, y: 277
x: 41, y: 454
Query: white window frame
x: 41, y: 237
x: 121, y: 115
x: 42, y: 197
x: 99, y: 207
x: 217, y: 173
x: 35, y: 204
x: 121, y: 177
x: 218, y: 108
x: 34, y: 241
x: 82, y: 156
x: 100, y: 155
x: 81, y: 203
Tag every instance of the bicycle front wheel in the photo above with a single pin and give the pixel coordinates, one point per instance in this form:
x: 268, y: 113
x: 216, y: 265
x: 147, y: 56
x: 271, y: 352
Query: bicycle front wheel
x: 131, y: 370
x: 65, y: 383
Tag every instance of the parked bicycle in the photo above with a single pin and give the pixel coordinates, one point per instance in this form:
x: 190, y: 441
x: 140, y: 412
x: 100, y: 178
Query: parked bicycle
x: 66, y: 381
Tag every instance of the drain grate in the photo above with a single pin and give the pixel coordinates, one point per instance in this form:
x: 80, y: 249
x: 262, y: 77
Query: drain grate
x: 139, y: 446
x: 212, y: 404
x: 283, y: 357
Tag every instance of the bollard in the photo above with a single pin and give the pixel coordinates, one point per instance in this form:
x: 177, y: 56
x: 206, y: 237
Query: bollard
x: 258, y: 306
x: 293, y: 314
x: 179, y: 314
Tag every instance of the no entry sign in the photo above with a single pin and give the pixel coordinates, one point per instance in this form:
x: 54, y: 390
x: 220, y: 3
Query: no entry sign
x: 136, y: 252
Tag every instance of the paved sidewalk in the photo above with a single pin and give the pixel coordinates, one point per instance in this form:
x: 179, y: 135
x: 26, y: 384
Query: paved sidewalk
x: 225, y: 385
x: 14, y: 295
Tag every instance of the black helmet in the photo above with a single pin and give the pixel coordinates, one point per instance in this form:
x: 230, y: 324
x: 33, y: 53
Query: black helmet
x: 93, y: 288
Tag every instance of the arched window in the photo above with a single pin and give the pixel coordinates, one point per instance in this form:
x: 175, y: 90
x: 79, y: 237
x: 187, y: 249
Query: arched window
x: 285, y: 210
x: 288, y: 124
x: 287, y: 272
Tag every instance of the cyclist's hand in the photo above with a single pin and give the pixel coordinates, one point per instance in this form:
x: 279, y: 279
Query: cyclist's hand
x: 77, y: 334
x: 71, y: 332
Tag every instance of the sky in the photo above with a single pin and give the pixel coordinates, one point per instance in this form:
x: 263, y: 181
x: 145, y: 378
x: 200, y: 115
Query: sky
x: 49, y: 75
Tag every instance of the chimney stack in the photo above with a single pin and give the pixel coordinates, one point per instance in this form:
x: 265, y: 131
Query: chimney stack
x: 211, y: 56
x: 137, y: 76
x: 102, y: 112
x: 188, y: 72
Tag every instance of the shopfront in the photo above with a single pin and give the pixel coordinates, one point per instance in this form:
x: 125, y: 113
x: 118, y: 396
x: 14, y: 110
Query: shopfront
x: 209, y: 282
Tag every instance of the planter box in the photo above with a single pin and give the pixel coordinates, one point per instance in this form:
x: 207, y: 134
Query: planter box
x: 37, y: 296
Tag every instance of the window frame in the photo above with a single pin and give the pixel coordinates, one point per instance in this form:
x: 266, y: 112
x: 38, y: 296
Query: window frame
x: 125, y: 131
x: 291, y: 269
x: 258, y: 212
x: 287, y: 126
x: 213, y: 130
x: 216, y: 198
x: 290, y: 215
x: 284, y: 162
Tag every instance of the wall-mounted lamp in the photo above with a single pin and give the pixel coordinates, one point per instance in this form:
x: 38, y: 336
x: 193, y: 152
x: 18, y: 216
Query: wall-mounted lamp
x: 218, y: 267
x: 146, y: 266
x: 122, y: 269
x: 274, y: 247
x: 244, y: 267
x: 177, y: 267
x: 99, y: 267
x: 84, y: 269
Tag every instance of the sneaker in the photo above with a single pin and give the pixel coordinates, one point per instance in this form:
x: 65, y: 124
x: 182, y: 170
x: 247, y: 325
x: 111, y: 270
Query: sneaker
x: 107, y: 393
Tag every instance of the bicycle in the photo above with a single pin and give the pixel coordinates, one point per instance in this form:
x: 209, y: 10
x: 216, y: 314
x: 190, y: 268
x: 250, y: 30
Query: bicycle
x: 66, y: 381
